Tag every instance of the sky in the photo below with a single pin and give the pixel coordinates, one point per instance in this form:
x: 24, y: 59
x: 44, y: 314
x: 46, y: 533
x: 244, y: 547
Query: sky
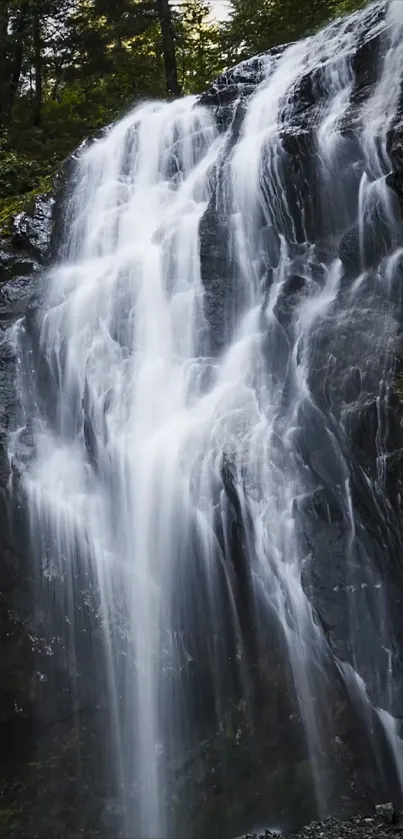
x: 219, y: 9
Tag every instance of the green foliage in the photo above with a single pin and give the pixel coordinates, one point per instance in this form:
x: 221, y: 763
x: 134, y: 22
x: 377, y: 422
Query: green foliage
x: 98, y: 58
x: 9, y: 207
x: 199, y: 50
x: 16, y: 171
x: 68, y: 67
x: 258, y: 25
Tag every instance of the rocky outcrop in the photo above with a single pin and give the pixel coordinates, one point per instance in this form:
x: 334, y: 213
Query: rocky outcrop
x: 348, y: 392
x: 41, y: 792
x: 32, y: 232
x: 23, y: 255
x: 355, y: 357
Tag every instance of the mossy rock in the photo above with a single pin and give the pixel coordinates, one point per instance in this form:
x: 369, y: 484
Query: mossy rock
x: 11, y: 205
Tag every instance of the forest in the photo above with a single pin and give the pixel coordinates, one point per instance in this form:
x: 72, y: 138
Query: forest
x: 68, y: 67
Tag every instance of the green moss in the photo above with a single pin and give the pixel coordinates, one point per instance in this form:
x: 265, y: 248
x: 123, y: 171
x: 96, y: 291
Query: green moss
x: 398, y: 386
x: 11, y: 205
x: 8, y: 821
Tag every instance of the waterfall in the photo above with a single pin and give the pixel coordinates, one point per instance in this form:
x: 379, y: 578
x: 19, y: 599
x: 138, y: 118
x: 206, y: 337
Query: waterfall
x: 190, y: 396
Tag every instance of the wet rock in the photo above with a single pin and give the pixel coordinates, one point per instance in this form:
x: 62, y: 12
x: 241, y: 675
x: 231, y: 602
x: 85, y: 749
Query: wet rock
x: 371, y: 826
x: 386, y: 812
x: 241, y: 80
x: 360, y: 827
x: 360, y: 250
x: 289, y: 297
x: 395, y: 182
x: 22, y: 255
x: 300, y: 183
x: 394, y: 146
x: 220, y: 294
x: 27, y: 663
x: 349, y: 250
x: 321, y: 503
x: 365, y: 65
x: 32, y: 231
x: 11, y: 265
x: 15, y: 295
x: 7, y: 261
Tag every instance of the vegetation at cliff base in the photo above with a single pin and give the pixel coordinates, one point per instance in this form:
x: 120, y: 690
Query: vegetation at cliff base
x: 68, y: 67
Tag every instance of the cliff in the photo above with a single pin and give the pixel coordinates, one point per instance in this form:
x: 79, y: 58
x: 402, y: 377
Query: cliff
x: 243, y: 771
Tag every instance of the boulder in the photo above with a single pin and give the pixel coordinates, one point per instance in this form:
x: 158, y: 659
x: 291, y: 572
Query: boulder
x: 32, y: 231
x: 386, y: 812
x: 360, y: 250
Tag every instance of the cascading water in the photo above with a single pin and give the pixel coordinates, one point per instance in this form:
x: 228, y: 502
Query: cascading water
x: 198, y: 412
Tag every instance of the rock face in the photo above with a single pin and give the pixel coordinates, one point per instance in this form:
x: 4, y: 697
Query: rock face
x: 349, y: 393
x: 42, y: 793
x: 353, y: 406
x: 44, y: 766
x: 19, y: 270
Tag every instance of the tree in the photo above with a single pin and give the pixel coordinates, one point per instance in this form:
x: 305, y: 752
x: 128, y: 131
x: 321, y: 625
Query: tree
x: 198, y: 45
x: 168, y: 45
x: 258, y: 25
x: 12, y: 30
x: 37, y: 61
x: 68, y: 67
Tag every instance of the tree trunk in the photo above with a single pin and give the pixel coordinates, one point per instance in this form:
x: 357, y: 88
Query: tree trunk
x: 4, y: 59
x: 38, y: 69
x: 168, y: 46
x: 17, y: 39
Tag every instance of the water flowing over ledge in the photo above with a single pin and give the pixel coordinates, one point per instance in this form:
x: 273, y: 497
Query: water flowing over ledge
x: 203, y: 443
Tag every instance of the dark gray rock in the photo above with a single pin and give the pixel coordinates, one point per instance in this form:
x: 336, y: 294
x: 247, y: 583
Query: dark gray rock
x: 32, y: 231
x: 40, y: 738
x: 239, y: 81
x: 15, y: 295
x: 349, y: 250
x: 386, y: 812
x: 360, y: 250
x: 394, y: 181
x: 395, y: 147
x: 12, y: 265
x: 370, y: 826
x: 220, y: 294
